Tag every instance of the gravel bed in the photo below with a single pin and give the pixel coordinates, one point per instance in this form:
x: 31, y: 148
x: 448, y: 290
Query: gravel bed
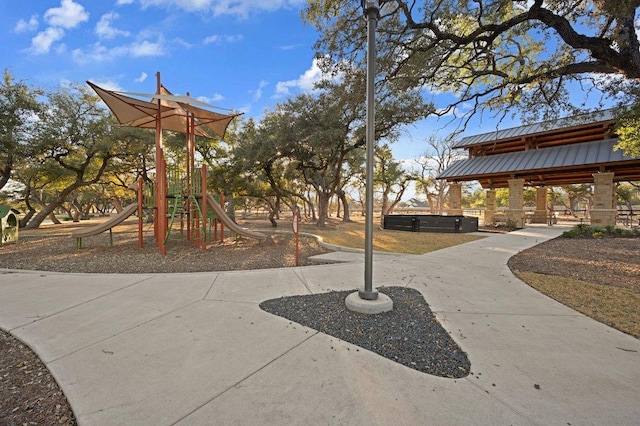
x: 410, y: 334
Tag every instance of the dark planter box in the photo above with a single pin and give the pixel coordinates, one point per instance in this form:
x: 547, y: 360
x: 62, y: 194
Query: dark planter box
x: 431, y: 223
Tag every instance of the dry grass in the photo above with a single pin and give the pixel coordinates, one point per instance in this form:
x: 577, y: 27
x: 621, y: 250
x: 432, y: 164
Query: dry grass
x: 614, y: 306
x: 352, y: 235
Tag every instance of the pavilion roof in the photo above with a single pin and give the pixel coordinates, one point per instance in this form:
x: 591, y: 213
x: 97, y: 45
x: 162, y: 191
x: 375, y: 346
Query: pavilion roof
x: 558, y: 165
x: 549, y: 132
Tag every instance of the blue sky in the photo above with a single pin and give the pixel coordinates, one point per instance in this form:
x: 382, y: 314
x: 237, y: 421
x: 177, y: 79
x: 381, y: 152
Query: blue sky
x: 245, y: 55
x: 240, y: 54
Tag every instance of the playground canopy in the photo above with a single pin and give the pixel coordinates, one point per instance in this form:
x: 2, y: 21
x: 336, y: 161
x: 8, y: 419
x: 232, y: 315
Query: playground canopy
x: 166, y: 111
x: 174, y: 111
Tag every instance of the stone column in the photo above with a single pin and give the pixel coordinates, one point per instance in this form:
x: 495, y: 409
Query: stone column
x: 489, y: 206
x: 603, y: 212
x: 455, y: 199
x: 515, y: 213
x: 540, y: 215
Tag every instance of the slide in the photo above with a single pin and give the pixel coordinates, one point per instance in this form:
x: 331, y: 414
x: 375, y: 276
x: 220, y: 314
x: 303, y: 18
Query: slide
x: 222, y: 217
x: 104, y: 226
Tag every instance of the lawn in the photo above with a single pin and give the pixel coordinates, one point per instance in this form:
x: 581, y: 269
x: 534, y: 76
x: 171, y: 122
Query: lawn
x: 352, y: 235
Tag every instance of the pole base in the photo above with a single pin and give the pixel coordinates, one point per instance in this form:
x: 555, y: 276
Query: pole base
x: 355, y: 303
x: 368, y: 295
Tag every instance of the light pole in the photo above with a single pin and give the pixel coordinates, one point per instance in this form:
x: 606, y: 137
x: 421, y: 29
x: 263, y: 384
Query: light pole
x: 367, y: 300
x: 371, y: 10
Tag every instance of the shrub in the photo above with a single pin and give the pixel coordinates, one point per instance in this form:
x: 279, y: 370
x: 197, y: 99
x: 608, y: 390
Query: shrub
x: 581, y: 230
x: 587, y: 231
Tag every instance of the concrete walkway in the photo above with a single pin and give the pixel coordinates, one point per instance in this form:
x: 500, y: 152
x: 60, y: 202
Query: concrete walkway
x: 195, y: 349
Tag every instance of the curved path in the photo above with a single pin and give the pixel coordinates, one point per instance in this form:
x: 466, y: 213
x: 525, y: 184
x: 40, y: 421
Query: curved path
x: 171, y: 349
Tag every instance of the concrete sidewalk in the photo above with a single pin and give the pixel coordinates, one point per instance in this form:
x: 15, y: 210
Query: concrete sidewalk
x: 195, y: 349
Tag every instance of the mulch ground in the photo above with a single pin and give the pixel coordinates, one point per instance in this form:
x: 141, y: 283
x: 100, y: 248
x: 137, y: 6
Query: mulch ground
x: 605, y: 261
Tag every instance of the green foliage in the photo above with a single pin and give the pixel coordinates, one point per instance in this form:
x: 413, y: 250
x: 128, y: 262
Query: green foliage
x: 19, y: 110
x: 502, y: 197
x: 390, y: 177
x: 588, y: 231
x: 474, y: 199
x: 77, y: 153
x: 628, y: 130
x: 504, y: 55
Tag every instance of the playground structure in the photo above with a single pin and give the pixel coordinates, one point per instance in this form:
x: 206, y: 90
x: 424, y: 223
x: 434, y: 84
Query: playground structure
x: 8, y: 225
x: 179, y: 192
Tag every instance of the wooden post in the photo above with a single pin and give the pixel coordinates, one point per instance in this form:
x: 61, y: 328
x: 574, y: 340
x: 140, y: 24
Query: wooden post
x: 295, y: 224
x: 161, y: 179
x: 221, y: 223
x: 204, y: 206
x: 140, y: 211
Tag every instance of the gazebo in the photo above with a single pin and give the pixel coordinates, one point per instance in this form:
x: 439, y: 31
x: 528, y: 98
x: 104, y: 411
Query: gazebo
x: 573, y: 150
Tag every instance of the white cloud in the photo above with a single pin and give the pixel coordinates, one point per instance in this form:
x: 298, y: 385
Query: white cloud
x: 107, y: 84
x: 68, y: 15
x: 188, y: 5
x: 42, y: 42
x: 217, y: 39
x: 291, y: 46
x: 211, y: 39
x: 239, y: 8
x: 142, y: 78
x: 304, y: 83
x: 244, y: 8
x: 123, y: 2
x: 105, y: 30
x: 99, y: 53
x: 146, y: 48
x: 259, y: 91
x: 24, y: 26
x: 217, y: 97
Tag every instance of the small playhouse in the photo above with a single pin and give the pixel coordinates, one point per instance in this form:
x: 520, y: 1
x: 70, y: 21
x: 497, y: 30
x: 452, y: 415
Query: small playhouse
x: 8, y: 225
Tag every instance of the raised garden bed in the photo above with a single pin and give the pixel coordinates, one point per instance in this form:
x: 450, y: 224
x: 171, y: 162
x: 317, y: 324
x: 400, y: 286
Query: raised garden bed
x: 430, y: 223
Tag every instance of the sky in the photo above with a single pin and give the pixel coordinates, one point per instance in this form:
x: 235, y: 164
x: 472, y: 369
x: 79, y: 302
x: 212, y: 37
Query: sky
x: 244, y: 55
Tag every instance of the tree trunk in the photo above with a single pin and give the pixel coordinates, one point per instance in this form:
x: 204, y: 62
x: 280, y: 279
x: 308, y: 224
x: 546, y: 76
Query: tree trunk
x: 323, y: 209
x: 432, y: 204
x: 345, y: 206
x: 272, y: 218
x: 75, y: 214
x: 231, y: 208
x: 385, y: 206
x: 312, y: 207
x: 36, y: 221
x: 116, y: 202
x: 54, y: 219
x: 27, y: 218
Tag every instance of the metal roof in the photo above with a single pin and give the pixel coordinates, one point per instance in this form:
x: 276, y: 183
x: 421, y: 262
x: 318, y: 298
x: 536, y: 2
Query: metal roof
x: 597, y: 152
x: 547, y: 126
